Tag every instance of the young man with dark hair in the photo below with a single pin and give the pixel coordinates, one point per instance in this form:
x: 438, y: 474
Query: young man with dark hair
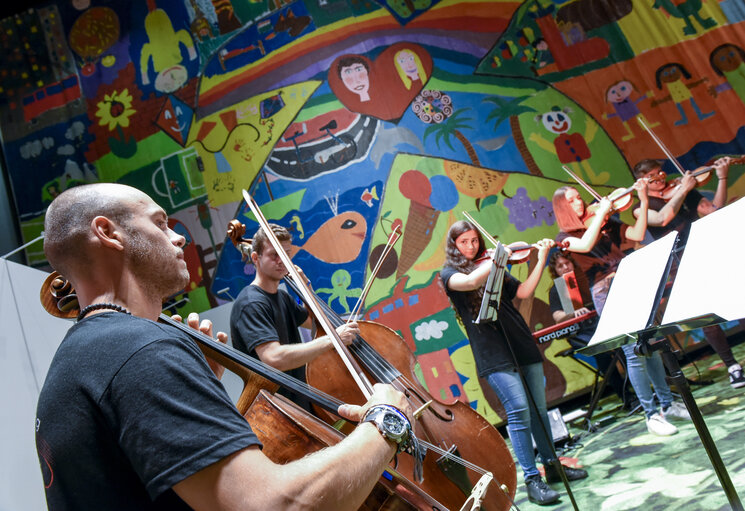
x: 265, y: 318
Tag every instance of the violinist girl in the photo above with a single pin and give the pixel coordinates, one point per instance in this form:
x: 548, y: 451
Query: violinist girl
x: 501, y: 345
x: 598, y: 243
x: 675, y: 207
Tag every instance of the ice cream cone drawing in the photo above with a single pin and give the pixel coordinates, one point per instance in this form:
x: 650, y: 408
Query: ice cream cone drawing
x: 429, y: 197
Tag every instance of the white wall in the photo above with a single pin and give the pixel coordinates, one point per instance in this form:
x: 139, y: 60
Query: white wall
x: 29, y: 336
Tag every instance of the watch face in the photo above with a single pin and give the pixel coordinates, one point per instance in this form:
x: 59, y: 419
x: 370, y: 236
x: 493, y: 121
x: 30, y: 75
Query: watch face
x: 394, y: 424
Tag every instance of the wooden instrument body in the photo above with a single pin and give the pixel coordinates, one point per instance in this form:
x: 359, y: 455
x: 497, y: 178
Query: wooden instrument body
x: 288, y: 433
x: 442, y: 424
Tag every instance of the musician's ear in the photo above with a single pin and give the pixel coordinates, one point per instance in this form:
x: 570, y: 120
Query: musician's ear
x: 107, y: 233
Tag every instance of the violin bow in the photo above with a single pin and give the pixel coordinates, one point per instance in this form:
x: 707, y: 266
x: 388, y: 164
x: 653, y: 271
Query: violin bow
x: 480, y: 228
x: 354, y: 369
x: 662, y: 146
x: 584, y: 185
x: 392, y: 239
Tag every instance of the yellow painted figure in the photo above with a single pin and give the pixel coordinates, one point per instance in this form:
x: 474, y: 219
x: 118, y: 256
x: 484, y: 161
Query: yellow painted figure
x: 164, y: 50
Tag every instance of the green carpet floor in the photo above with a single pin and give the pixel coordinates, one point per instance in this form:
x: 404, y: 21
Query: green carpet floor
x: 632, y: 469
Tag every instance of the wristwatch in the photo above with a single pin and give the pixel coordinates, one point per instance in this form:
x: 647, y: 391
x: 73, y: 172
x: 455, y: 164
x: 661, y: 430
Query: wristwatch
x: 391, y: 423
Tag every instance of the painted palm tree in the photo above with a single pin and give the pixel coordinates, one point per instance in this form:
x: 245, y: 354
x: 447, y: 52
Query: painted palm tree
x: 506, y: 108
x: 511, y: 109
x: 451, y: 127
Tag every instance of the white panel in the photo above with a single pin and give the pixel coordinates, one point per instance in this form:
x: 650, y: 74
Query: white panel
x: 711, y: 276
x: 28, y: 339
x: 633, y: 291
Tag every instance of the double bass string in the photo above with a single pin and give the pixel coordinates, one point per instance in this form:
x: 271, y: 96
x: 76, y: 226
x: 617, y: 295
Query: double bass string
x: 387, y: 373
x: 310, y: 299
x: 287, y: 381
x: 272, y: 374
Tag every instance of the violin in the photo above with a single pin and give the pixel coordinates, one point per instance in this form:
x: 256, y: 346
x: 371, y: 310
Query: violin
x: 455, y: 435
x: 620, y: 199
x: 702, y: 175
x: 521, y: 250
x: 273, y: 418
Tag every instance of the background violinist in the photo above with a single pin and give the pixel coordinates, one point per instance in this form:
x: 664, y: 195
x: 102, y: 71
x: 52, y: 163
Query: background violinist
x: 264, y: 319
x: 561, y: 263
x: 598, y: 251
x: 674, y: 206
x: 684, y: 205
x: 131, y: 416
x: 464, y: 280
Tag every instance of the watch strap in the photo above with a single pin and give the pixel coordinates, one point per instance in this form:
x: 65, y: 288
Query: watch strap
x: 375, y: 413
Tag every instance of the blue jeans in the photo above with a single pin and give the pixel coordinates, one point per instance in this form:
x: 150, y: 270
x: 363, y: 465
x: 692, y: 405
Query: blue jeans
x: 644, y: 372
x: 521, y: 417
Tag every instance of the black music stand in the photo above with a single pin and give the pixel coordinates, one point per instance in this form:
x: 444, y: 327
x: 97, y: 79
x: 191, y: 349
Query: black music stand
x: 632, y: 305
x: 598, y: 389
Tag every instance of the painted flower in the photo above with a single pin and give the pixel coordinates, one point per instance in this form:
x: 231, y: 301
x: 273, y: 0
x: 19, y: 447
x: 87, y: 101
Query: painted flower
x: 432, y: 106
x: 115, y: 110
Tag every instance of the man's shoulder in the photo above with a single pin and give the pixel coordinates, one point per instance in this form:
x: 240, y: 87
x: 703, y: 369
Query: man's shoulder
x: 562, y: 235
x: 119, y: 332
x: 252, y: 295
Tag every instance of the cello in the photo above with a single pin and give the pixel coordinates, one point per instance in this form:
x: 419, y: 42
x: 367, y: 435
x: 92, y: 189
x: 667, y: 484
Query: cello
x: 451, y: 432
x: 286, y: 431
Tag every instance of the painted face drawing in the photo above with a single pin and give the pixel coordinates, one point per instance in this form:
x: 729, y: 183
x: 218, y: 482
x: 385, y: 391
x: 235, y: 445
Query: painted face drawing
x: 355, y: 77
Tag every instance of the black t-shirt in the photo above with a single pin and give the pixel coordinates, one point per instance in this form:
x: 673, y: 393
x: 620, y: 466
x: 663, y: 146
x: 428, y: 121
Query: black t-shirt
x: 128, y: 409
x: 489, y: 346
x: 586, y: 327
x: 554, y: 302
x: 258, y: 317
x: 605, y: 256
x: 681, y: 222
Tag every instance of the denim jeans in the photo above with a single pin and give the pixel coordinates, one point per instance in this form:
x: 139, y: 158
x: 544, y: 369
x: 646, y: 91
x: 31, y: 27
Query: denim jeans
x: 521, y: 417
x: 644, y: 372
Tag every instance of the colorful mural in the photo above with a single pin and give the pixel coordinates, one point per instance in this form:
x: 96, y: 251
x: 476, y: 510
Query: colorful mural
x: 347, y: 118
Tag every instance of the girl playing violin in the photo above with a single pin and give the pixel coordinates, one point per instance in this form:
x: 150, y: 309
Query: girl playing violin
x: 598, y: 245
x: 598, y: 251
x: 464, y: 280
x: 684, y: 206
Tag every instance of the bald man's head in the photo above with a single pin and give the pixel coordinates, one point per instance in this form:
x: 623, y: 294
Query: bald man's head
x: 67, y: 224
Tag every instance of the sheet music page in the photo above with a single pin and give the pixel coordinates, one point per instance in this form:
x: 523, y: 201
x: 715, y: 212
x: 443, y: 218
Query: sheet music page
x: 633, y: 291
x: 711, y: 275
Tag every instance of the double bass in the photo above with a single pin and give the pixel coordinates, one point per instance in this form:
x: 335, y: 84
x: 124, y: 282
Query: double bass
x: 461, y: 445
x: 286, y: 431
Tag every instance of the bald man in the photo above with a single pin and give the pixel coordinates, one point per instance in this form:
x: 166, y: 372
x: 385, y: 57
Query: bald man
x: 132, y: 417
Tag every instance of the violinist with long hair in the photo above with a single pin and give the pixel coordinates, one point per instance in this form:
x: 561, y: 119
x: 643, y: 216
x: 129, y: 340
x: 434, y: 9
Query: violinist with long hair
x: 676, y: 207
x: 598, y: 249
x: 501, y: 345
